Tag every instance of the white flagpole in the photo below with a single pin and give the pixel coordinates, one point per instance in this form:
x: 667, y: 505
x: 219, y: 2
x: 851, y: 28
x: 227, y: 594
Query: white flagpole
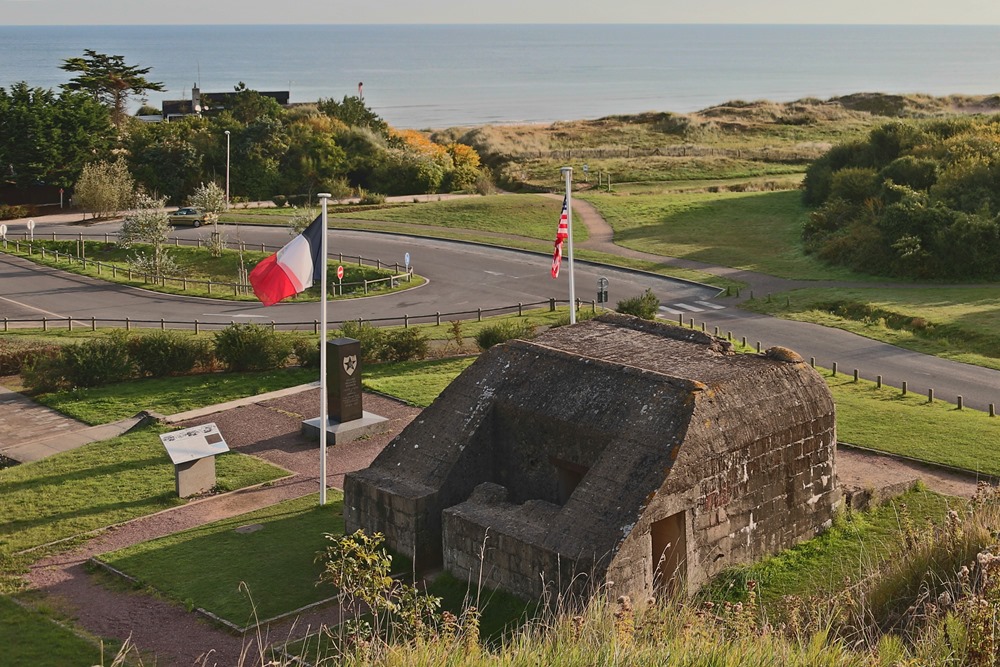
x: 323, y: 418
x: 567, y: 173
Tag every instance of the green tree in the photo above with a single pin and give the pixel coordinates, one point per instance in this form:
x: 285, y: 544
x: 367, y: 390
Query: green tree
x: 166, y: 158
x: 313, y: 159
x: 353, y: 112
x: 48, y: 138
x: 211, y: 198
x: 109, y: 80
x: 104, y: 188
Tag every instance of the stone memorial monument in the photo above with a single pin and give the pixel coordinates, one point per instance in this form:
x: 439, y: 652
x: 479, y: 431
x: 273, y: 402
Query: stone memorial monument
x: 347, y: 418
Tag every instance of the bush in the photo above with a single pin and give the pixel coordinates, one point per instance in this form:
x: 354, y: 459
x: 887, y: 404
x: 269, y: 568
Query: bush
x: 251, y: 347
x: 645, y: 305
x: 279, y: 200
x: 298, y: 200
x: 366, y: 198
x: 501, y: 332
x: 43, y: 373
x: 97, y: 362
x: 13, y: 212
x: 372, y: 339
x: 167, y: 353
x: 404, y: 345
x: 16, y: 354
x: 306, y: 350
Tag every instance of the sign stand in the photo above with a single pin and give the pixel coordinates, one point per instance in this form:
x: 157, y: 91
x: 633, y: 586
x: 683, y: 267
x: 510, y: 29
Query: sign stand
x: 347, y: 420
x: 192, y: 451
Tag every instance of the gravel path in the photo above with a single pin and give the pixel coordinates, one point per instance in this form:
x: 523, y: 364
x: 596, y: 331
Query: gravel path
x: 174, y: 636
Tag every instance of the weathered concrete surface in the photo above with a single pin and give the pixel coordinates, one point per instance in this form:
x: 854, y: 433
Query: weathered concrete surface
x: 590, y: 453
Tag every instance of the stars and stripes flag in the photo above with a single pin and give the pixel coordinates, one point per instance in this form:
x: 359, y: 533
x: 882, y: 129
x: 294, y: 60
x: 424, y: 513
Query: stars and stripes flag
x: 561, y: 235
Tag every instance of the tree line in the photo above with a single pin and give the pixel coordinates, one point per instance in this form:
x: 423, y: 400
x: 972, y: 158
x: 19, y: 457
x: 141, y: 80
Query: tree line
x: 338, y: 146
x: 913, y: 199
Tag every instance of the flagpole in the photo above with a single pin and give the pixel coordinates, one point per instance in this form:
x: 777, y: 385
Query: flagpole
x: 567, y: 173
x: 323, y: 418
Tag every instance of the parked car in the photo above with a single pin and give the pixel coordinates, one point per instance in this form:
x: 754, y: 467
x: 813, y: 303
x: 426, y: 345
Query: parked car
x: 187, y: 216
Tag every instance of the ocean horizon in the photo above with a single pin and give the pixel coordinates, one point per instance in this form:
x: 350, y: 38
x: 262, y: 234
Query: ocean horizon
x: 434, y: 76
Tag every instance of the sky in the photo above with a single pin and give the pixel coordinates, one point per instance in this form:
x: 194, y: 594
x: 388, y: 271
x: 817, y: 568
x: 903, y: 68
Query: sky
x: 142, y: 12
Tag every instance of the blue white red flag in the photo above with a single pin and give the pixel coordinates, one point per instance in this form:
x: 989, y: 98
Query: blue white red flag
x: 562, y: 233
x: 292, y: 269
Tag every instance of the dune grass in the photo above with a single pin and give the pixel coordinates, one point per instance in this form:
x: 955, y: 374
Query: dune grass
x: 958, y: 323
x: 101, y: 484
x: 759, y: 231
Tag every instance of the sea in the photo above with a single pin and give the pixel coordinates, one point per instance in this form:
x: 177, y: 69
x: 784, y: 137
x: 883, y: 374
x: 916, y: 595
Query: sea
x: 436, y: 76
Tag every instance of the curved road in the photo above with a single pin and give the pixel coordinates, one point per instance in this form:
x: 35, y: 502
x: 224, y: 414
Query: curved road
x: 463, y: 277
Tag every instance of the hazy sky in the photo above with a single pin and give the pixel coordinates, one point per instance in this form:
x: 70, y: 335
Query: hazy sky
x: 100, y: 12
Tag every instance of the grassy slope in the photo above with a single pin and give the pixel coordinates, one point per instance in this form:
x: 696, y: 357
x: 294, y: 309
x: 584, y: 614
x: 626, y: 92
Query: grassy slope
x: 754, y: 231
x: 966, y: 320
x: 101, y: 484
x: 530, y: 216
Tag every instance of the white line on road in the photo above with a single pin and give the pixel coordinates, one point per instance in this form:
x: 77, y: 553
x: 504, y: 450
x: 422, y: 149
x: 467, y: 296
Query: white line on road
x: 693, y: 309
x: 713, y: 306
x: 671, y: 310
x: 263, y: 317
x: 24, y: 305
x: 493, y: 273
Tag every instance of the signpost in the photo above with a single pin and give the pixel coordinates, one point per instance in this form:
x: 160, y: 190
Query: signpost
x: 586, y: 170
x: 406, y: 260
x: 602, y: 290
x: 340, y: 279
x: 3, y: 235
x: 31, y: 229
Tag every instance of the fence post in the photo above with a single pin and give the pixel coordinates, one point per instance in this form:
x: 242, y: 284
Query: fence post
x: 930, y: 395
x: 197, y: 328
x: 878, y: 382
x: 437, y: 318
x: 519, y: 311
x: 812, y: 361
x: 5, y: 324
x: 479, y: 315
x: 680, y: 319
x: 691, y: 322
x: 69, y: 323
x: 366, y: 286
x: 703, y: 327
x: 552, y: 305
x: 209, y: 286
x: 960, y: 403
x: 378, y: 264
x: 993, y: 410
x: 855, y: 374
x: 162, y: 325
x: 128, y: 325
x: 93, y: 324
x: 835, y: 369
x: 729, y: 336
x: 904, y: 387
x: 406, y: 321
x: 593, y: 306
x: 45, y: 324
x: 315, y: 327
x: 272, y: 326
x: 758, y: 347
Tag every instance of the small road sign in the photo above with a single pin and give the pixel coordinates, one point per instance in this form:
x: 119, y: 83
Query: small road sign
x: 406, y: 260
x: 3, y: 231
x: 340, y: 273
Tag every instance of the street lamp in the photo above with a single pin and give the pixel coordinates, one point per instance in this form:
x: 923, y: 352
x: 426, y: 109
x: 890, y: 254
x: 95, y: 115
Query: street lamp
x: 227, y: 170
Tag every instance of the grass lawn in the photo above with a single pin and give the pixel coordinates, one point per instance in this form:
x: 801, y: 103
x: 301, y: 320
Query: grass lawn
x: 197, y: 266
x: 848, y: 551
x: 885, y: 420
x: 169, y: 395
x: 530, y: 216
x: 416, y: 382
x: 959, y: 323
x: 204, y: 567
x: 100, y: 484
x: 30, y: 638
x: 754, y: 231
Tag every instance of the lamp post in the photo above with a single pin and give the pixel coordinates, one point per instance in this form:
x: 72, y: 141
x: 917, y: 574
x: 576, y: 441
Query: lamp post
x: 227, y: 170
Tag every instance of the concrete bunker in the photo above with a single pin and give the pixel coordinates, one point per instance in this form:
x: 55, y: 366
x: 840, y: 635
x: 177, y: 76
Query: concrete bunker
x: 623, y: 452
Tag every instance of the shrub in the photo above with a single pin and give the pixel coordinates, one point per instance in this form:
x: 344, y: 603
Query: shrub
x: 306, y: 350
x: 16, y: 354
x: 167, y: 352
x: 646, y: 305
x: 501, y: 332
x: 372, y: 339
x: 297, y: 200
x: 366, y: 198
x: 97, y: 362
x: 279, y: 200
x: 251, y: 347
x: 13, y: 212
x: 43, y: 373
x: 404, y: 344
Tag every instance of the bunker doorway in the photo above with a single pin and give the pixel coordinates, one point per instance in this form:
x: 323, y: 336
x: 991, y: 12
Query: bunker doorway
x: 669, y: 547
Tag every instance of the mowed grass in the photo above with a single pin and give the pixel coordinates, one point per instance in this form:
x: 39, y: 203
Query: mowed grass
x: 824, y: 565
x: 101, y: 484
x: 416, y: 382
x: 885, y: 420
x: 758, y: 231
x: 169, y: 395
x: 530, y: 216
x: 30, y: 638
x: 959, y: 323
x: 271, y: 570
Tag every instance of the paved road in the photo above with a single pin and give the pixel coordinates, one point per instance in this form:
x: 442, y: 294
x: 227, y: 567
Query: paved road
x: 466, y: 277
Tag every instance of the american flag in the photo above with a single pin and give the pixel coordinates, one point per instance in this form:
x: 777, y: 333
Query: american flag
x: 561, y: 235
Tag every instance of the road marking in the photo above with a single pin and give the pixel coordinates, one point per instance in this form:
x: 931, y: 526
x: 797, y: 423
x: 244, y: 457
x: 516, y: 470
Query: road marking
x: 493, y: 273
x: 671, y: 310
x: 713, y: 306
x: 692, y: 309
x: 263, y: 317
x: 24, y: 305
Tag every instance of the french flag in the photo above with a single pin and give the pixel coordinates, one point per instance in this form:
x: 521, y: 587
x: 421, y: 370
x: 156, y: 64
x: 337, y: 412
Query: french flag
x: 292, y: 269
